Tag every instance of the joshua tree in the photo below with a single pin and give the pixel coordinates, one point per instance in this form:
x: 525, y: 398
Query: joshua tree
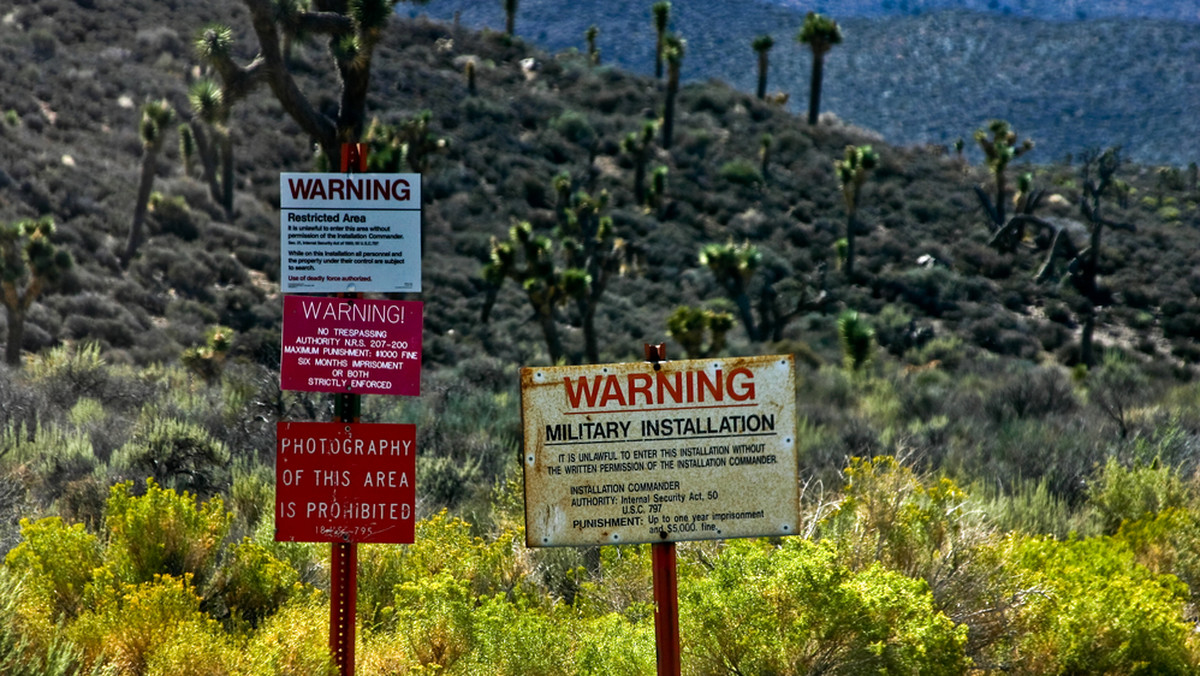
x: 353, y: 30
x: 765, y: 142
x: 762, y: 45
x: 639, y: 146
x: 510, y: 17
x: 156, y: 117
x: 187, y: 148
x: 408, y: 145
x: 1099, y: 180
x: 820, y: 33
x: 852, y: 172
x: 658, y: 188
x: 469, y: 71
x: 661, y: 11
x: 688, y: 325
x: 29, y: 261
x: 592, y: 52
x: 999, y: 150
x: 212, y: 108
x: 528, y: 260
x: 857, y: 339
x: 588, y: 255
x: 734, y: 266
x: 673, y: 53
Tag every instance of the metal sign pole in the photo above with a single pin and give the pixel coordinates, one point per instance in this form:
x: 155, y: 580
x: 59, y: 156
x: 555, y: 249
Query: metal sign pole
x: 665, y: 579
x: 343, y: 567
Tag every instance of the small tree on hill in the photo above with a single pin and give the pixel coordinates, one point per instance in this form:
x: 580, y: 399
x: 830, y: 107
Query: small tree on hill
x: 575, y: 264
x: 762, y: 46
x: 852, y: 172
x: 820, y: 33
x: 639, y: 146
x: 353, y: 30
x: 29, y: 262
x: 592, y: 52
x: 734, y: 266
x: 510, y: 17
x: 156, y: 117
x: 1098, y: 178
x: 1000, y: 149
x: 661, y: 12
x: 673, y: 53
x: 212, y: 109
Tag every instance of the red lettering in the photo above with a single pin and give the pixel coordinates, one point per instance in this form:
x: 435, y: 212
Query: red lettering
x: 612, y: 391
x: 584, y: 392
x: 704, y: 383
x: 745, y: 390
x: 665, y: 388
x: 642, y: 387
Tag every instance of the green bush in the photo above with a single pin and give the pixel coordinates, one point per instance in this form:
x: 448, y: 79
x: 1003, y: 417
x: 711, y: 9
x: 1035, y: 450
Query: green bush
x: 175, y: 454
x: 741, y: 172
x: 162, y: 533
x: 1088, y: 608
x: 792, y: 609
x: 58, y: 561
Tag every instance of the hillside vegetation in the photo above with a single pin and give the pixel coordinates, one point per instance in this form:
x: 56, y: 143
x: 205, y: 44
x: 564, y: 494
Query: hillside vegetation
x: 979, y: 494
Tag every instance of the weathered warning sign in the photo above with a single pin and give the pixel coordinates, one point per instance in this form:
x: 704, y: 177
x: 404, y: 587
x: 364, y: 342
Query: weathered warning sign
x: 351, y: 345
x: 350, y: 232
x: 681, y: 450
x: 339, y: 482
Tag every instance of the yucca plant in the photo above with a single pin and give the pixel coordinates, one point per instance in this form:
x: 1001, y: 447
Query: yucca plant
x: 762, y: 45
x: 820, y: 33
x: 156, y: 116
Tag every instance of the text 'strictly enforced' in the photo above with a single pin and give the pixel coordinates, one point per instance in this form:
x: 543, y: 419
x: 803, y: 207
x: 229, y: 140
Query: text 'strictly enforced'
x: 690, y: 450
x: 351, y: 345
x: 350, y: 232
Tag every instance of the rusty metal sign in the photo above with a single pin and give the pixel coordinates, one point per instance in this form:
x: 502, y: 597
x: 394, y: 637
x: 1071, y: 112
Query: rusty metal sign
x: 666, y: 452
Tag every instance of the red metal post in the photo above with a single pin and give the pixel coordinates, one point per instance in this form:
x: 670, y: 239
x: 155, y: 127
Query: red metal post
x: 343, y: 559
x: 666, y: 581
x: 666, y: 607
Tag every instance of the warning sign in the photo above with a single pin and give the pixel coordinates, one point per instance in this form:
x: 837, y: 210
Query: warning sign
x: 350, y: 233
x: 685, y: 450
x: 339, y: 482
x: 351, y: 345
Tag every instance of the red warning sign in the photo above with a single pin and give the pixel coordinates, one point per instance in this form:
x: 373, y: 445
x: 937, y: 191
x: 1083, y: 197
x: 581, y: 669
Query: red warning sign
x: 351, y: 345
x: 341, y: 482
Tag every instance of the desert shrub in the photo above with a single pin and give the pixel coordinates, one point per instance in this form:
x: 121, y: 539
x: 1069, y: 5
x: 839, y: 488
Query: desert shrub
x: 58, y: 561
x: 1122, y: 494
x: 1031, y: 508
x: 1088, y: 607
x: 792, y: 609
x: 575, y: 127
x: 21, y: 654
x: 175, y: 454
x: 162, y: 533
x: 1030, y: 393
x: 46, y: 458
x: 174, y: 217
x: 1117, y: 388
x: 130, y: 625
x: 253, y: 583
x: 740, y: 172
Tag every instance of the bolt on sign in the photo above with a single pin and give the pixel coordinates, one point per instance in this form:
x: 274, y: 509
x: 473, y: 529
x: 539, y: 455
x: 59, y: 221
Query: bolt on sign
x: 336, y: 482
x: 351, y: 345
x: 350, y: 233
x: 685, y: 450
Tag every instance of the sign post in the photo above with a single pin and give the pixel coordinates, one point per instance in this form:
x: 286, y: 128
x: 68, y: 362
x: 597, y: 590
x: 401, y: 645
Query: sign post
x: 342, y: 482
x: 660, y: 452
